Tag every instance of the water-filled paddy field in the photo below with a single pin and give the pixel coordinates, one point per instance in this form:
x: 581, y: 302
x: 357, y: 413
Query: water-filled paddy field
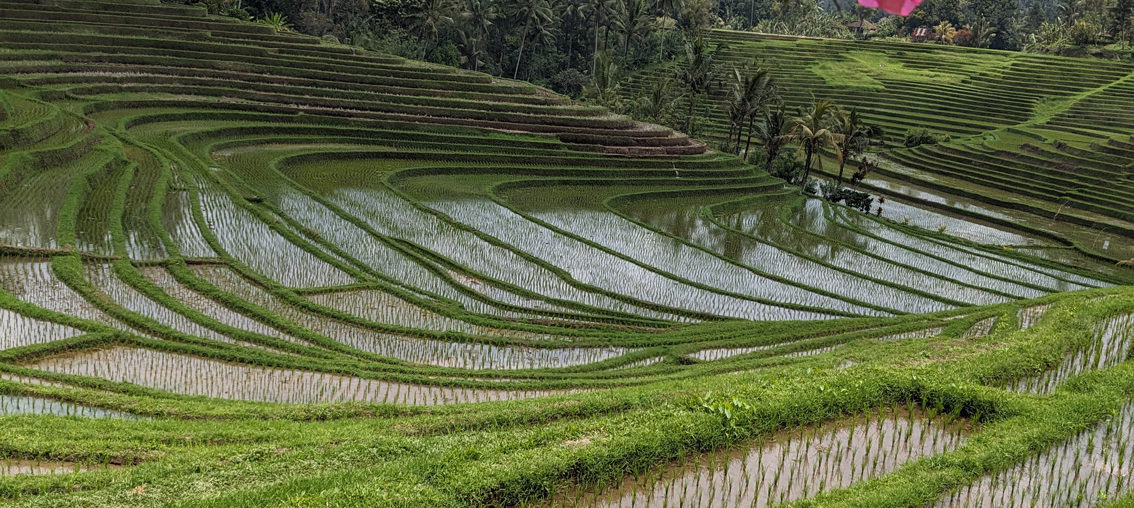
x: 243, y: 267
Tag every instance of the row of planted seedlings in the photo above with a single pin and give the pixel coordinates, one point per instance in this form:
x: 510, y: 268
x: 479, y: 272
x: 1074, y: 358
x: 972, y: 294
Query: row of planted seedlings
x: 331, y: 247
x: 536, y: 236
x: 809, y: 227
x: 685, y: 215
x: 1005, y: 279
x: 381, y: 215
x: 993, y: 260
x: 1042, y: 205
x: 758, y: 474
x: 752, y: 222
x: 674, y: 255
x: 991, y: 210
x: 1020, y: 275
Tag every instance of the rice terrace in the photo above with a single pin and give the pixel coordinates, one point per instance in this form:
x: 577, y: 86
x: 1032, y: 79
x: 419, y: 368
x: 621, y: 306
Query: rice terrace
x: 566, y: 253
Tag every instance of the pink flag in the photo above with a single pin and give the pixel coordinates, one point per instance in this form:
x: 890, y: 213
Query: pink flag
x: 900, y: 7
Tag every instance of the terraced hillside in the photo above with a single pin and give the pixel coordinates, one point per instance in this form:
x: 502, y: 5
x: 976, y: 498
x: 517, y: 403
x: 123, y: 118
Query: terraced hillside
x: 243, y: 268
x: 1035, y: 141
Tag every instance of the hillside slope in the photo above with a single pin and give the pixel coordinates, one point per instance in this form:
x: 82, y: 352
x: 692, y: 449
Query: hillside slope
x: 242, y: 268
x: 1036, y: 141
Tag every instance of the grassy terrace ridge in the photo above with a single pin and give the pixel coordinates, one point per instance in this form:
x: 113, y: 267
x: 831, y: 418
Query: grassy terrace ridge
x: 246, y: 268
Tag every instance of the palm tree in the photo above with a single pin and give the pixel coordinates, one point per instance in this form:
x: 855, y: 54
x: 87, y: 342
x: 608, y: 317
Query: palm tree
x: 773, y: 132
x: 604, y: 83
x: 633, y: 22
x: 670, y: 7
x: 433, y: 16
x: 760, y: 93
x: 599, y: 13
x: 477, y: 17
x: 751, y: 91
x: 535, y: 15
x: 657, y: 101
x: 856, y: 138
x: 697, y: 72
x: 470, y: 45
x: 945, y: 32
x: 811, y: 130
x: 574, y: 14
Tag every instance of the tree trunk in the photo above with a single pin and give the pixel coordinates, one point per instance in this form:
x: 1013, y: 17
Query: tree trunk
x: 689, y: 117
x: 748, y: 143
x: 842, y: 163
x: 594, y: 55
x: 739, y: 132
x: 773, y: 151
x: 523, y: 40
x: 806, y: 169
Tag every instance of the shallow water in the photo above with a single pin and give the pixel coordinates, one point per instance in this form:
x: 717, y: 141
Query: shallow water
x: 789, y: 466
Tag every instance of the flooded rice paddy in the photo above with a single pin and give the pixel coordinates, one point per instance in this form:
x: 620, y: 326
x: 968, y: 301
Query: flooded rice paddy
x: 789, y: 466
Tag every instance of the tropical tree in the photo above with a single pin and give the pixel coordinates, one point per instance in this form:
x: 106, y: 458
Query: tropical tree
x: 773, y: 132
x: 670, y: 8
x: 573, y: 15
x: 855, y: 138
x: 760, y: 93
x: 633, y: 23
x: 471, y: 48
x: 656, y: 103
x: 277, y: 21
x: 811, y: 130
x: 599, y: 12
x: 696, y: 72
x: 604, y: 85
x: 751, y: 91
x: 535, y: 15
x: 477, y: 17
x: 428, y: 22
x: 945, y: 32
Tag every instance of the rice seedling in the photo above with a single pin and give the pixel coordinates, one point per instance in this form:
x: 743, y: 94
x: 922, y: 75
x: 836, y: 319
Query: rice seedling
x: 1110, y: 344
x: 1091, y: 467
x: 20, y: 405
x: 198, y: 376
x: 12, y: 467
x: 789, y: 466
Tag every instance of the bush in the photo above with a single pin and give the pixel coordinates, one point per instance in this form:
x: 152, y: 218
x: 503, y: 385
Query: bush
x: 922, y: 136
x: 784, y: 166
x: 1084, y: 32
x: 963, y: 37
x: 445, y: 54
x: 854, y: 199
x: 240, y: 14
x: 569, y: 82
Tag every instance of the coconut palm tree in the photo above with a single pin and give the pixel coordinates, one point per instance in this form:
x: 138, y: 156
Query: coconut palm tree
x: 599, y: 12
x: 573, y: 15
x: 773, y: 132
x: 760, y: 93
x: 696, y: 72
x: 429, y: 20
x: 657, y: 101
x: 535, y: 15
x: 811, y: 129
x: 856, y: 138
x: 670, y: 7
x: 633, y: 23
x: 477, y: 17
